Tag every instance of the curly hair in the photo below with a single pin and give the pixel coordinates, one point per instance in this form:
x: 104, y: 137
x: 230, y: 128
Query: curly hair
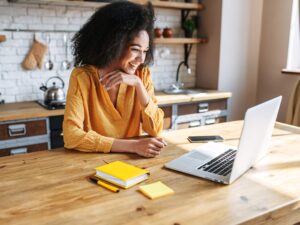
x: 110, y: 30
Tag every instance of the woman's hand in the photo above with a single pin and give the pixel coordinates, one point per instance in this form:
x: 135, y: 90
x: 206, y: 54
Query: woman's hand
x: 117, y: 77
x: 147, y: 147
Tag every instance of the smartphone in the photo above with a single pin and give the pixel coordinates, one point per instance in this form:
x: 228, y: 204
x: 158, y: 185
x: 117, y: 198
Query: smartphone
x: 215, y: 138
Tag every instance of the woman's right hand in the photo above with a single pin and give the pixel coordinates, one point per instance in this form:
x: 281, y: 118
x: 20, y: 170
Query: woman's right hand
x: 148, y: 147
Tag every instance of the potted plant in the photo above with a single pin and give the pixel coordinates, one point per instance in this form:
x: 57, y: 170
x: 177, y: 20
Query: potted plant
x: 189, y: 25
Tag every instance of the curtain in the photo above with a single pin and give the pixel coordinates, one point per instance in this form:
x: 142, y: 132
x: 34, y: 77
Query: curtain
x: 293, y: 114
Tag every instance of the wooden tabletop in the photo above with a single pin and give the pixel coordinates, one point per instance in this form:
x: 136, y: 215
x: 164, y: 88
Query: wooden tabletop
x: 29, y: 110
x: 50, y: 187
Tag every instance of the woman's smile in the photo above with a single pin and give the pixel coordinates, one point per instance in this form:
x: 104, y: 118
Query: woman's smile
x: 135, y: 54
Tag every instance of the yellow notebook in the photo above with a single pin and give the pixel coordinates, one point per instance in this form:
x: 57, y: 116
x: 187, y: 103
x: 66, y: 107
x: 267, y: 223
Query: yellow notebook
x: 156, y: 190
x: 122, y: 174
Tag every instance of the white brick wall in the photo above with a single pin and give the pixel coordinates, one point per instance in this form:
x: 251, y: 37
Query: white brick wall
x: 17, y: 84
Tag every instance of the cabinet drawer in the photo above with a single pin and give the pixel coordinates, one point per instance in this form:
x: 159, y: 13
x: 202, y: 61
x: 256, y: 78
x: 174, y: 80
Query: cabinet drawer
x: 167, y: 116
x: 205, y: 121
x: 20, y: 129
x: 23, y: 149
x: 57, y: 140
x: 201, y: 107
x: 56, y: 122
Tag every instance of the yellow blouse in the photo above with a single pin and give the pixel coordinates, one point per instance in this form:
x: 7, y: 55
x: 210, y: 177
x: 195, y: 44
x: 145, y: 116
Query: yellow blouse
x: 91, y: 121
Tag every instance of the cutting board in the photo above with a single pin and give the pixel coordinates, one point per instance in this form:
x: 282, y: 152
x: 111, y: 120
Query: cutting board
x: 2, y: 38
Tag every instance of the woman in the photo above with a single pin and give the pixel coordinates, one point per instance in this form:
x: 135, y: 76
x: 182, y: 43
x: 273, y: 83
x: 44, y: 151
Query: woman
x: 110, y: 95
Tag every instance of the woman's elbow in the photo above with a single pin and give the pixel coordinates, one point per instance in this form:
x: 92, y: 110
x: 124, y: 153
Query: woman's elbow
x: 70, y: 138
x: 68, y: 141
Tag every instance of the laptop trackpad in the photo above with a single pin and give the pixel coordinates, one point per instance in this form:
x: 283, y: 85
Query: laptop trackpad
x: 199, y: 156
x: 208, y: 151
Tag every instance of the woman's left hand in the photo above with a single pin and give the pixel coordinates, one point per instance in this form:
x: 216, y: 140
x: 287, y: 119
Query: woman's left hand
x: 117, y: 77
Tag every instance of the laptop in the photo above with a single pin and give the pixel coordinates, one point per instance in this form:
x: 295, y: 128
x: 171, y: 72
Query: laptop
x: 223, y: 163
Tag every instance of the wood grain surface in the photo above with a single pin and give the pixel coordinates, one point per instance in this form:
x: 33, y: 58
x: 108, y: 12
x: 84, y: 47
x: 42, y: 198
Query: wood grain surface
x: 82, y: 3
x: 51, y: 187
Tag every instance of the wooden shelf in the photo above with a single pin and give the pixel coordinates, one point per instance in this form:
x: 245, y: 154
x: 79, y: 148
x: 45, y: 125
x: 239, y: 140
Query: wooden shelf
x: 291, y: 71
x: 171, y: 5
x: 180, y: 40
x: 156, y: 3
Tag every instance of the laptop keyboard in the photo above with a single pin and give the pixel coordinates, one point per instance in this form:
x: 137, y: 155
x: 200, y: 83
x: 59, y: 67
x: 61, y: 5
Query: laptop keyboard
x: 221, y: 165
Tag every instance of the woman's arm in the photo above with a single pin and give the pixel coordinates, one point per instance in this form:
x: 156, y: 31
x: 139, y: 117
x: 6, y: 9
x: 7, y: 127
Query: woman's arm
x: 75, y: 137
x: 152, y: 116
x: 147, y: 147
x: 142, y: 93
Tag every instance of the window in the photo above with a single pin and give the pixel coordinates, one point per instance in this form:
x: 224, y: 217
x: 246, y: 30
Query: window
x: 293, y: 61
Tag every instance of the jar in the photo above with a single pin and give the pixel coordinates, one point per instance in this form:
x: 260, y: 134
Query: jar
x: 167, y: 32
x: 157, y: 32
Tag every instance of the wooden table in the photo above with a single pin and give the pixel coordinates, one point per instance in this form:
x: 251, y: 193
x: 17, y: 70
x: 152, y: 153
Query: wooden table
x: 50, y: 187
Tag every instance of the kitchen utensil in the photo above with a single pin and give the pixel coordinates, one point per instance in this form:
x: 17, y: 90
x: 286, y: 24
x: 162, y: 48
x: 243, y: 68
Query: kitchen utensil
x: 2, y: 38
x: 49, y: 64
x: 53, y: 95
x: 66, y: 64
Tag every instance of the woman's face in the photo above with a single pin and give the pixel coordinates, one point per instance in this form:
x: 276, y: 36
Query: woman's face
x: 134, y: 55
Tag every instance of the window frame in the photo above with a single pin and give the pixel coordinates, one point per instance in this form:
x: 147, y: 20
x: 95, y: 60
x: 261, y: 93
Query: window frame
x: 293, y: 59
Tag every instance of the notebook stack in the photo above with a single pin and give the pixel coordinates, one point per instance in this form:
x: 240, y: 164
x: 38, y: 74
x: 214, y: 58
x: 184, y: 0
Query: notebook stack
x: 121, y: 174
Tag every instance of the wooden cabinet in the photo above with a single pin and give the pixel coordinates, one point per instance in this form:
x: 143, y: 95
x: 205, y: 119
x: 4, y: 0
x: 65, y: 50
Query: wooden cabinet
x: 56, y: 132
x: 186, y: 115
x: 23, y: 149
x: 20, y: 129
x: 167, y: 117
x: 27, y: 127
x: 22, y: 136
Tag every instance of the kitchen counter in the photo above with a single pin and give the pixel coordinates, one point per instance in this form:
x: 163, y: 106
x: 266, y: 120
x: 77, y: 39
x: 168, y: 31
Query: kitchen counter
x: 165, y: 99
x: 28, y: 110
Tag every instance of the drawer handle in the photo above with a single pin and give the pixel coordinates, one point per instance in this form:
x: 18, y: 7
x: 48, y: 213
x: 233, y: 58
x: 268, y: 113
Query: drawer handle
x: 16, y: 130
x: 203, y: 107
x: 210, y: 121
x: 195, y: 124
x: 61, y: 134
x: 17, y: 151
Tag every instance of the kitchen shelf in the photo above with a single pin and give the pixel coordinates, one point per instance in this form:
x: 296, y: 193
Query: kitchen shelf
x: 172, y: 5
x: 180, y: 40
x: 291, y: 71
x: 155, y: 3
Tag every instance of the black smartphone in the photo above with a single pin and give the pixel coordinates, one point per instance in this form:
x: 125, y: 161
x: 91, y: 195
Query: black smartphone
x: 215, y: 138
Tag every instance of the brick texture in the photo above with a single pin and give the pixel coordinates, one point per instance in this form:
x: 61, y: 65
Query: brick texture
x: 17, y: 84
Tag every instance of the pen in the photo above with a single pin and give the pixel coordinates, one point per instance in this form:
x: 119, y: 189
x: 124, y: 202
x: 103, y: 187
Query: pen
x: 103, y: 184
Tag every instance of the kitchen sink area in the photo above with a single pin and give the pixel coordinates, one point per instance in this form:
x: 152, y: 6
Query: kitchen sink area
x: 186, y: 91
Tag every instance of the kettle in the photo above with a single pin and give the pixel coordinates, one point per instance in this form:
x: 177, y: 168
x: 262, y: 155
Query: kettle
x: 53, y: 95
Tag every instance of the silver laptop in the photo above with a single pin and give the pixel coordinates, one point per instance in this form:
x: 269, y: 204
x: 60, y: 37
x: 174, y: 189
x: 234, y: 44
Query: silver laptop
x: 223, y: 163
